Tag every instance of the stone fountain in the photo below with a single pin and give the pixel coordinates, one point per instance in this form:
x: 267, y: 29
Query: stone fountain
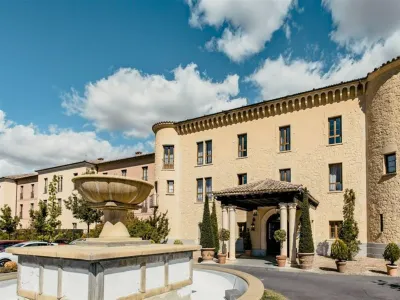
x: 113, y: 266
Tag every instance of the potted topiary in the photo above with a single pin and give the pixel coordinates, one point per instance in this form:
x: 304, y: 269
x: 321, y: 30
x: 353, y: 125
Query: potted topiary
x: 206, y: 234
x: 340, y: 252
x: 280, y: 237
x: 392, y: 254
x: 247, y: 242
x: 306, y: 243
x: 223, y: 237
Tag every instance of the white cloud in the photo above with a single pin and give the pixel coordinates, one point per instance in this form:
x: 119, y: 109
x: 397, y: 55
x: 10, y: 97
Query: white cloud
x: 24, y: 148
x: 285, y: 76
x: 251, y: 23
x: 362, y: 23
x: 131, y: 102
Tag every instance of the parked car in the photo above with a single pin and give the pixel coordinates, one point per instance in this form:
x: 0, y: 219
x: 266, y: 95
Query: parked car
x: 78, y: 240
x: 4, y: 244
x: 5, y: 257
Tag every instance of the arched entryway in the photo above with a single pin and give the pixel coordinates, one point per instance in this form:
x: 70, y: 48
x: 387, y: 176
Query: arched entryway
x: 273, y: 224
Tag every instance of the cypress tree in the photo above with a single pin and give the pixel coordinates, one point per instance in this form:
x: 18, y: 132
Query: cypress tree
x: 306, y: 244
x: 206, y: 238
x: 349, y: 230
x: 214, y: 223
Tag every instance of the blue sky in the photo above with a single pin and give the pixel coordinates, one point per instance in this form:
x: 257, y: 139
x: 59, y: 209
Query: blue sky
x: 77, y: 75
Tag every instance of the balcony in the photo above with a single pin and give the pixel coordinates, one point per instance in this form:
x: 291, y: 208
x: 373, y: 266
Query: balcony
x: 168, y: 164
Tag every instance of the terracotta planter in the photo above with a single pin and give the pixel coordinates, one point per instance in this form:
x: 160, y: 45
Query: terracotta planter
x: 341, y: 266
x: 207, y: 253
x: 247, y: 252
x: 306, y: 260
x: 391, y: 270
x: 221, y: 258
x: 281, y: 260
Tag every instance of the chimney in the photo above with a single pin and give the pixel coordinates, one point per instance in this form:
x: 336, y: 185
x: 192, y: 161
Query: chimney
x: 137, y: 153
x: 100, y: 159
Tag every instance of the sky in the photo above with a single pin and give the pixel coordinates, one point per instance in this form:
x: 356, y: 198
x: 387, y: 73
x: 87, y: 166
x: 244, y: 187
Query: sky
x: 84, y: 79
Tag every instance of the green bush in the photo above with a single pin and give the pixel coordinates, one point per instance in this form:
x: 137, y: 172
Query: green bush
x: 392, y: 253
x: 272, y: 295
x: 224, y: 236
x: 339, y: 250
x: 95, y: 233
x: 247, y: 240
x: 178, y: 242
x: 306, y: 243
x: 206, y: 235
x: 214, y: 224
x: 280, y: 236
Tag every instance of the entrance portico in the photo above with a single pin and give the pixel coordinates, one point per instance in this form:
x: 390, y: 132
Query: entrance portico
x: 275, y: 202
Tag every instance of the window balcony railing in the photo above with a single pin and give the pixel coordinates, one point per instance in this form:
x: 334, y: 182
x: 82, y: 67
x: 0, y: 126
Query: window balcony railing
x: 145, y: 178
x: 168, y: 164
x: 21, y: 196
x: 32, y: 195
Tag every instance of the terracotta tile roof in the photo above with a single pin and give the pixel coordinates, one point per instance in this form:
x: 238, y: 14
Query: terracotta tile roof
x: 260, y: 187
x: 99, y: 161
x: 20, y: 176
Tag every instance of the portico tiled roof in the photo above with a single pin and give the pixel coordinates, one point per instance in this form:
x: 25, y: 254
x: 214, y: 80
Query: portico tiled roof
x: 266, y: 186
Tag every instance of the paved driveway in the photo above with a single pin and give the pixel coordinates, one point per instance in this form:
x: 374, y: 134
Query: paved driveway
x: 304, y: 285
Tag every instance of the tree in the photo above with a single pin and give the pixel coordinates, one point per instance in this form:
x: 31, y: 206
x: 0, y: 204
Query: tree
x: 156, y: 228
x: 82, y: 211
x: 8, y: 223
x: 349, y: 231
x: 214, y: 224
x: 45, y: 219
x: 207, y: 236
x: 306, y: 243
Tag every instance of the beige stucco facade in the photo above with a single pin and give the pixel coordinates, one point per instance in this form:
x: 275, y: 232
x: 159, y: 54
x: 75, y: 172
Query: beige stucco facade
x: 370, y: 103
x: 33, y: 186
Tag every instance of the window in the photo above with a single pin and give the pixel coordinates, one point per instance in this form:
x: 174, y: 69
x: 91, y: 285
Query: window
x: 285, y: 175
x: 200, y: 189
x: 390, y: 163
x: 45, y: 186
x: 170, y: 185
x: 60, y: 183
x: 32, y: 206
x: 335, y: 177
x: 75, y: 174
x: 200, y: 154
x: 123, y: 173
x: 21, y: 208
x: 334, y: 229
x: 32, y: 190
x: 381, y: 221
x: 335, y: 130
x: 208, y: 152
x: 74, y: 226
x: 242, y: 228
x: 242, y: 179
x: 242, y: 144
x: 59, y: 202
x: 209, y: 188
x: 168, y: 157
x: 144, y: 173
x: 156, y: 186
x: 21, y: 192
x: 284, y: 138
x: 105, y: 173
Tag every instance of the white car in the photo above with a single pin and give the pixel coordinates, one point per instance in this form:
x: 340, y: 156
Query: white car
x: 5, y: 257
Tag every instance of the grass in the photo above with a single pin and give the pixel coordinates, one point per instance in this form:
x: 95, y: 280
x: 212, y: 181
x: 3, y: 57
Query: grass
x: 271, y: 295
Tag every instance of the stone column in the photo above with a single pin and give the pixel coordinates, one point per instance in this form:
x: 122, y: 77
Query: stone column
x: 283, y: 217
x: 292, y: 233
x: 232, y: 229
x: 225, y: 222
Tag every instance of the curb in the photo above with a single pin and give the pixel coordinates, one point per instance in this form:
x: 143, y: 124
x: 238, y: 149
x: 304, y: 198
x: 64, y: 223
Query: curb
x: 8, y: 276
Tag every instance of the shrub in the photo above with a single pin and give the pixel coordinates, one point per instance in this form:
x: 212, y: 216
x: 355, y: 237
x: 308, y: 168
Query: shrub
x: 224, y: 236
x: 392, y: 253
x: 339, y: 250
x: 280, y: 236
x: 95, y: 233
x: 349, y: 230
x: 306, y: 243
x: 11, y: 266
x: 247, y: 240
x: 178, y: 242
x: 214, y: 224
x: 206, y: 235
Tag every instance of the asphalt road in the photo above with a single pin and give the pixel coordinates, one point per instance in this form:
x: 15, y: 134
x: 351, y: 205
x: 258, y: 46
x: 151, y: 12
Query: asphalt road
x: 307, y: 286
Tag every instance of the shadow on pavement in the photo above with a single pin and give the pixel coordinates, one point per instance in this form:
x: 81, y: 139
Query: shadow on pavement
x: 394, y: 286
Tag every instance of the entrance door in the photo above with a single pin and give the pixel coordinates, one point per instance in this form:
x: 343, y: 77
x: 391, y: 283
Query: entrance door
x: 273, y: 224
